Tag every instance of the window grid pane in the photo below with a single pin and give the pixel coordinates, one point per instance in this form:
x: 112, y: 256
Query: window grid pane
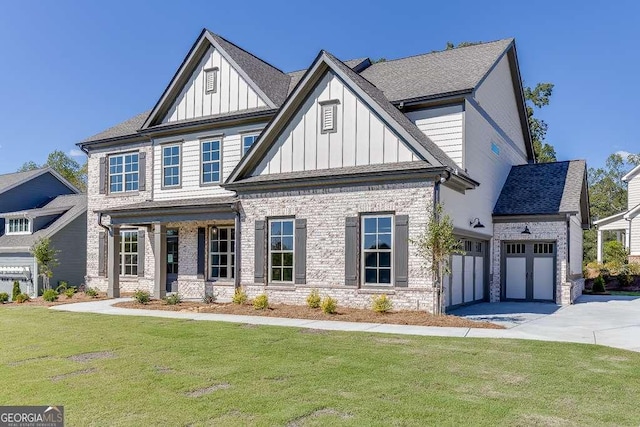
x: 281, y: 250
x: 18, y: 225
x: 129, y: 253
x: 247, y: 142
x: 222, y: 253
x: 377, y: 247
x: 171, y: 165
x: 210, y: 161
x: 123, y: 173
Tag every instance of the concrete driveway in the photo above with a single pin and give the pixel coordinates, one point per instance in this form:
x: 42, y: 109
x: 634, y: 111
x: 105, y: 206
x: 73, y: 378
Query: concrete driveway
x: 613, y: 321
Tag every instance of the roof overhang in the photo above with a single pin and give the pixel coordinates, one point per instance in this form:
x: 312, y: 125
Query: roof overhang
x: 632, y: 213
x: 633, y: 172
x: 542, y: 217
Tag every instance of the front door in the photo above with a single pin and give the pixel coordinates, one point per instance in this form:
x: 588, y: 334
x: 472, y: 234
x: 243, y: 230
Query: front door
x: 529, y: 271
x: 172, y: 257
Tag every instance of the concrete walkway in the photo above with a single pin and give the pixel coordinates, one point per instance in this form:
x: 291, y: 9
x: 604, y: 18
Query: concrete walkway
x: 609, y: 321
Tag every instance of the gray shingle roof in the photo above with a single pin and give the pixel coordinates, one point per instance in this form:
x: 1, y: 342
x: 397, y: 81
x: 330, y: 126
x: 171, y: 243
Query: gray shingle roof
x: 435, y: 73
x: 126, y: 128
x: 354, y: 64
x: 10, y: 180
x: 76, y: 205
x: 181, y: 203
x: 542, y: 188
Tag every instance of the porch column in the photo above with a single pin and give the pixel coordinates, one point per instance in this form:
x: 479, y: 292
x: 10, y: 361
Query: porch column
x: 237, y: 252
x: 627, y: 237
x: 599, y: 245
x: 160, y: 255
x: 113, y: 264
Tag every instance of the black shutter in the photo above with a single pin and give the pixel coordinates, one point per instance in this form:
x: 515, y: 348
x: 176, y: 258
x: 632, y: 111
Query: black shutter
x: 258, y: 265
x: 351, y: 251
x: 142, y: 171
x: 141, y: 239
x: 300, y: 256
x: 201, y: 249
x: 401, y: 251
x: 103, y: 175
x: 102, y: 252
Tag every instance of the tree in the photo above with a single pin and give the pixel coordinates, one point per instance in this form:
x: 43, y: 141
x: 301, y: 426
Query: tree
x: 450, y: 45
x: 47, y: 258
x: 436, y: 245
x: 65, y: 166
x: 539, y: 97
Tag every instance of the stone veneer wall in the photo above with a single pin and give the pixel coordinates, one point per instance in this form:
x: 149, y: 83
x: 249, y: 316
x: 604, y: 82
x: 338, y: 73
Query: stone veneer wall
x: 325, y: 211
x: 634, y: 259
x: 566, y: 290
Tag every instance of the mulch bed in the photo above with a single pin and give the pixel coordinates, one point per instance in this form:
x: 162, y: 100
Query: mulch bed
x: 62, y: 299
x: 345, y: 314
x: 613, y: 285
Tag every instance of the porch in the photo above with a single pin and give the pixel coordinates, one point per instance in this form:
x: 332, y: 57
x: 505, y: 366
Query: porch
x: 619, y: 225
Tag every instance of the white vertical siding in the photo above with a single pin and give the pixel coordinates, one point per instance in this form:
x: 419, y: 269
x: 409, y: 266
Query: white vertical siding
x: 635, y: 236
x: 443, y: 125
x: 496, y: 95
x: 575, y: 239
x: 190, y: 167
x: 634, y: 192
x: 233, y: 92
x: 361, y: 137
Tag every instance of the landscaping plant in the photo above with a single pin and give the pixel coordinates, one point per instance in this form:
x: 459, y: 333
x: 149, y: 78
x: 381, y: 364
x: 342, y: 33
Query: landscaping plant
x: 598, y: 285
x: 381, y: 303
x: 16, y: 290
x: 47, y: 257
x: 50, y: 295
x: 173, y: 299
x: 4, y: 297
x: 313, y: 300
x: 239, y: 296
x: 20, y: 298
x: 141, y: 297
x: 209, y: 298
x: 62, y: 286
x: 91, y: 292
x: 261, y: 302
x: 329, y: 305
x: 69, y: 292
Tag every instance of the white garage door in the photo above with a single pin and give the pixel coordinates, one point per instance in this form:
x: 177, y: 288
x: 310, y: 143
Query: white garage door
x: 466, y: 284
x: 529, y: 271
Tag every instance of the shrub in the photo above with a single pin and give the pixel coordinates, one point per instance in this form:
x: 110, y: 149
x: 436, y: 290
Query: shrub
x: 209, y: 298
x: 615, y: 252
x: 69, y: 292
x: 239, y: 296
x: 624, y: 277
x: 50, y: 295
x: 381, y: 303
x: 329, y: 305
x: 62, y: 286
x: 173, y: 299
x: 141, y: 297
x: 91, y: 292
x: 634, y: 268
x: 598, y: 285
x: 4, y: 297
x: 261, y: 302
x: 313, y: 300
x: 20, y: 298
x: 16, y: 290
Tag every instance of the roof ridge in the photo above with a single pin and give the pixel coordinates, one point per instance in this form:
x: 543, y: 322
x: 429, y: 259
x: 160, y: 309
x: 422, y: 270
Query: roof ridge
x: 246, y: 51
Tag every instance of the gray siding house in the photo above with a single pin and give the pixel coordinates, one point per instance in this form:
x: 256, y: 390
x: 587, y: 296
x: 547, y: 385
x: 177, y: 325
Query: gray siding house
x: 38, y: 204
x: 244, y: 175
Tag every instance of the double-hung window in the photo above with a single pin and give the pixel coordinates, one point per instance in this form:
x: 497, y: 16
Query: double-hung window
x: 18, y: 226
x: 123, y: 173
x: 377, y: 249
x: 247, y: 142
x: 128, y: 252
x: 171, y: 165
x: 210, y: 169
x: 281, y: 232
x: 221, y: 252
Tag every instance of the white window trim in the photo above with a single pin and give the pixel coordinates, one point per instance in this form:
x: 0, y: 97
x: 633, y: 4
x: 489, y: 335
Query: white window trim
x: 229, y: 253
x: 123, y: 173
x: 217, y: 139
x: 215, y: 72
x: 16, y: 233
x: 163, y: 147
x: 123, y: 253
x: 293, y: 251
x: 363, y: 253
x: 248, y: 135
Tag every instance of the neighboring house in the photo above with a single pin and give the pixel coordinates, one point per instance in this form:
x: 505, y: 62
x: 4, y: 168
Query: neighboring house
x: 242, y: 174
x: 626, y: 224
x: 35, y: 204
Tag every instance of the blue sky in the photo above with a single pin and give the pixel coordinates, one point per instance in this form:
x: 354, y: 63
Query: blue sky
x: 72, y: 69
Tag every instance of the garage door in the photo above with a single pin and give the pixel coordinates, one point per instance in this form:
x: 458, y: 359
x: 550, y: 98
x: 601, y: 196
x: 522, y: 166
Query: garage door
x: 466, y: 284
x: 529, y: 271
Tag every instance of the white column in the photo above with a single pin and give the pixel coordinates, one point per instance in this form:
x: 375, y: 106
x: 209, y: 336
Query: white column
x: 113, y: 250
x: 160, y: 264
x: 627, y: 237
x: 599, y: 245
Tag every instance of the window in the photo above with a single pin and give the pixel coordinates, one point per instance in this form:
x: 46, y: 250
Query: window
x: 210, y: 162
x: 281, y: 250
x: 543, y: 248
x: 377, y: 248
x: 515, y: 248
x: 123, y: 173
x: 222, y: 252
x: 247, y: 142
x: 18, y: 226
x: 129, y: 253
x: 328, y: 112
x: 171, y: 166
x: 211, y: 80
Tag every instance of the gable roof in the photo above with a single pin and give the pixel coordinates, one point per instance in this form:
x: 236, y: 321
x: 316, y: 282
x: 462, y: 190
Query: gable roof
x: 73, y: 205
x: 545, y: 189
x: 267, y: 81
x: 631, y: 174
x: 396, y: 120
x: 12, y: 180
x: 127, y: 128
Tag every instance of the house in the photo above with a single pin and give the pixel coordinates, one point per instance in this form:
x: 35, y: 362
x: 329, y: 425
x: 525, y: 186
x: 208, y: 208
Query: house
x: 39, y: 204
x: 627, y: 223
x: 242, y: 174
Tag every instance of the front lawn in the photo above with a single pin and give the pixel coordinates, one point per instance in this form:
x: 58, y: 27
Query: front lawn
x: 111, y: 370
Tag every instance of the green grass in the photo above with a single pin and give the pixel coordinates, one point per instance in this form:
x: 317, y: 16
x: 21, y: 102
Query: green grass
x: 274, y: 376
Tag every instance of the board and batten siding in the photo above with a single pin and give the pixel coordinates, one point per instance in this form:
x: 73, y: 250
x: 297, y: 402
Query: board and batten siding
x: 496, y: 95
x: 232, y: 93
x: 443, y: 125
x: 190, y: 187
x: 361, y: 137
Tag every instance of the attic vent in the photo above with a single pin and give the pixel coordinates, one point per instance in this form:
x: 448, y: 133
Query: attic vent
x: 328, y: 117
x: 211, y: 80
